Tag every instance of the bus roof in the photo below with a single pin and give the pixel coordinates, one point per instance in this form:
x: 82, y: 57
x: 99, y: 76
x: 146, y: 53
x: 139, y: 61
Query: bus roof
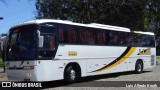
x: 92, y: 25
x: 140, y: 32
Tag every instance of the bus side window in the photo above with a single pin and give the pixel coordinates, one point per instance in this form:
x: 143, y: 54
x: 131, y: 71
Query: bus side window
x: 61, y: 35
x: 151, y: 41
x: 52, y: 42
x: 114, y: 38
x: 82, y: 36
x: 101, y: 38
x: 72, y: 35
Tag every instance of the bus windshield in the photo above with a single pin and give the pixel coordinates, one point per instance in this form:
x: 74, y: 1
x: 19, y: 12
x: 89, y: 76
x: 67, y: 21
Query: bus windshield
x: 22, y: 43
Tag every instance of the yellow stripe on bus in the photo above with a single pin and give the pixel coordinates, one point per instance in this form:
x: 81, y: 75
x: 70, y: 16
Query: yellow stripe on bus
x: 131, y: 51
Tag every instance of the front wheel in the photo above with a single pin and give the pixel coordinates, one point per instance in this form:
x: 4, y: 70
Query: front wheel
x: 139, y: 67
x: 70, y: 74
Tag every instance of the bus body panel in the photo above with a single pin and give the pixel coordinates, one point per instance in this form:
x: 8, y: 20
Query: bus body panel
x: 43, y: 71
x: 47, y: 70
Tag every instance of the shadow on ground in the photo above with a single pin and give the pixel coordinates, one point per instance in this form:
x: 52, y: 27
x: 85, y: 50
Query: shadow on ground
x: 85, y: 80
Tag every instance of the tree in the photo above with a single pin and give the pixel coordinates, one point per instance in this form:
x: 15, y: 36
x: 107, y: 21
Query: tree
x: 152, y: 18
x: 127, y: 13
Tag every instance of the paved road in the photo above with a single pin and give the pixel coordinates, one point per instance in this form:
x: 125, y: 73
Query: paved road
x: 1, y: 69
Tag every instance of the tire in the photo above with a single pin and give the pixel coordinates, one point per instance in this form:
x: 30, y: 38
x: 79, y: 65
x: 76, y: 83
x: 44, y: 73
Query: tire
x: 70, y: 74
x: 139, y: 67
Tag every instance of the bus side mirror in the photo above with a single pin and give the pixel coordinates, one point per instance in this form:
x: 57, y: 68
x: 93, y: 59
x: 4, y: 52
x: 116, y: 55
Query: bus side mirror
x: 40, y: 40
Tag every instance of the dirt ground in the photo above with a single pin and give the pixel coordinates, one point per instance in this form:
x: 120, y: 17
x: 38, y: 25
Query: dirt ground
x: 3, y: 76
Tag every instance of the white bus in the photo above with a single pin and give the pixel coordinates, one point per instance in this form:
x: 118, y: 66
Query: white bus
x: 47, y: 50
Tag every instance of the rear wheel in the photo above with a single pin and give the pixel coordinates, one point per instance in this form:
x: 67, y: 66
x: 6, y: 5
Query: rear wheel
x: 70, y: 74
x: 139, y: 67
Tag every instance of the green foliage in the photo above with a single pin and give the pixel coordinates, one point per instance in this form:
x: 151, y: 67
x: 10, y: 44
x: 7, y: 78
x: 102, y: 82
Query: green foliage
x: 127, y: 13
x: 1, y: 63
x: 152, y: 13
x: 152, y: 19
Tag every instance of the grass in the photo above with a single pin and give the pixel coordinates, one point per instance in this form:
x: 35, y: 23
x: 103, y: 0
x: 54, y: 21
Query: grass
x: 1, y: 63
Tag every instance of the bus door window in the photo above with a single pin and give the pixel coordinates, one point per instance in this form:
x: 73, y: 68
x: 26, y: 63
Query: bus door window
x: 49, y: 42
x: 48, y: 49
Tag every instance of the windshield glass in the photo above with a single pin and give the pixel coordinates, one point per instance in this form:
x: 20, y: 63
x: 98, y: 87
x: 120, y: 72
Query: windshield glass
x: 22, y: 43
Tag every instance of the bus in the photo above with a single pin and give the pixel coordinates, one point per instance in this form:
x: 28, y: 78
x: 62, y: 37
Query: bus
x: 48, y: 50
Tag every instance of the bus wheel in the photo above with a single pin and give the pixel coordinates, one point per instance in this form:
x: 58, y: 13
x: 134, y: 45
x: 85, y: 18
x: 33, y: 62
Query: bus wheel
x: 139, y: 67
x: 70, y: 74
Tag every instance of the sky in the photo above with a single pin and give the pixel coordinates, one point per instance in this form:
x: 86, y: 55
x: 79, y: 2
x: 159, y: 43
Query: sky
x: 15, y: 12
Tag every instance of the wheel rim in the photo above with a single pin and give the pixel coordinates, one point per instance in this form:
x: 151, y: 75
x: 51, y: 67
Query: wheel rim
x: 72, y: 74
x: 139, y: 67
